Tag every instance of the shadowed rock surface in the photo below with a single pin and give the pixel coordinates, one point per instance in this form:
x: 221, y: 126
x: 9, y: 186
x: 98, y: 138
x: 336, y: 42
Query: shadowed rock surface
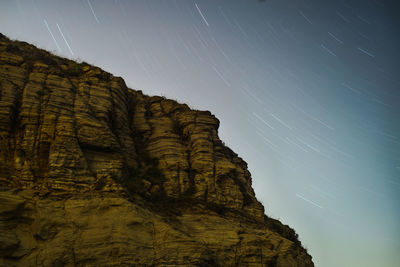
x: 93, y: 173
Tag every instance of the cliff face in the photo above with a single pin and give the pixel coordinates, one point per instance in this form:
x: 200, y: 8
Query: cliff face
x: 94, y: 173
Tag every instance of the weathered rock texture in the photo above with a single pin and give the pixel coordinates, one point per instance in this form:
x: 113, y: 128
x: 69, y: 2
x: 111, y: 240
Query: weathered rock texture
x: 93, y: 173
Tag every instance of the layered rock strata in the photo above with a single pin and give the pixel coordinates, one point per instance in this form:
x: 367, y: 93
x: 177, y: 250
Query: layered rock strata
x: 95, y: 173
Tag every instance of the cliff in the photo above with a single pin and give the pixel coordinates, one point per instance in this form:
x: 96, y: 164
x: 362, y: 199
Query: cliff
x: 93, y: 173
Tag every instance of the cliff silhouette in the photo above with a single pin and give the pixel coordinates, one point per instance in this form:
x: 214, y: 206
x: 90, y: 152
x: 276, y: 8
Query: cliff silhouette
x: 93, y: 173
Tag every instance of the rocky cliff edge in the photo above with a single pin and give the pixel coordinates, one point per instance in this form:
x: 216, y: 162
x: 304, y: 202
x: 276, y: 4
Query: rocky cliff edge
x: 93, y: 173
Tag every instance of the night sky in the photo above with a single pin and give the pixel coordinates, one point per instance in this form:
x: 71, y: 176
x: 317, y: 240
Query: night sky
x: 307, y: 93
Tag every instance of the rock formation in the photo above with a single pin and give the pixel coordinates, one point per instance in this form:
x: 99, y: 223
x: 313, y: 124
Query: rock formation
x: 93, y: 173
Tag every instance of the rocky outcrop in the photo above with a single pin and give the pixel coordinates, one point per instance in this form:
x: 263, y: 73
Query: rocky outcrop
x: 95, y: 173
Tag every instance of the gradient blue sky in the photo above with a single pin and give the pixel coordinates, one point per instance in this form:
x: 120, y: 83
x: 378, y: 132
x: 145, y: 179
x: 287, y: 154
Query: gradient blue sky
x: 307, y: 93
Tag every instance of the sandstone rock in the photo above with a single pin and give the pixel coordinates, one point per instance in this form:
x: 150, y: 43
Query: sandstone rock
x: 94, y: 173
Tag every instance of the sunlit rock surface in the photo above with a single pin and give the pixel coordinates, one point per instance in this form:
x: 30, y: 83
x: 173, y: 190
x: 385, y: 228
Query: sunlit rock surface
x: 93, y: 173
